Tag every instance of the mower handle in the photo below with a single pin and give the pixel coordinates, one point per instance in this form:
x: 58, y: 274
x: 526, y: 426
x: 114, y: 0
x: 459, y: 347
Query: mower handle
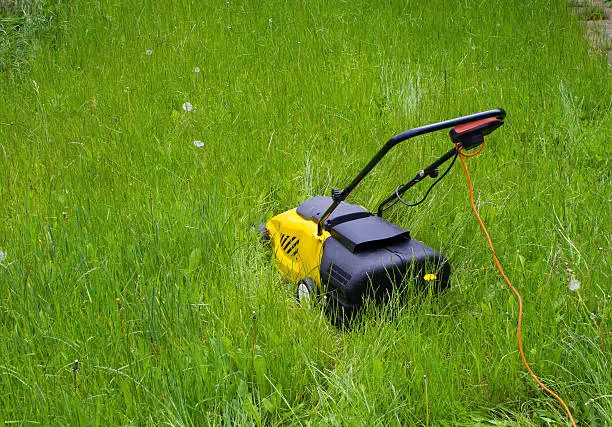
x: 475, y: 126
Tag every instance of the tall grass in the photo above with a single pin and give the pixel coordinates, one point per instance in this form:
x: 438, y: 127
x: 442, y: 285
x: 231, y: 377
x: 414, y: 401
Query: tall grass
x: 105, y: 196
x: 22, y: 24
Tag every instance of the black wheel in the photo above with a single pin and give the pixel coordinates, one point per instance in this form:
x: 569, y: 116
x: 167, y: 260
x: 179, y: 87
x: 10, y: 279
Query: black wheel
x: 307, y: 292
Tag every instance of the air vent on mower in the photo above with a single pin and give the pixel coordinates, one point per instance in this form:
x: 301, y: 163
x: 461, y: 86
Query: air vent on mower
x: 289, y: 244
x: 340, y: 276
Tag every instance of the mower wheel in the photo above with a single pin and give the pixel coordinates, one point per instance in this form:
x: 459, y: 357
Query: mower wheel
x: 307, y: 292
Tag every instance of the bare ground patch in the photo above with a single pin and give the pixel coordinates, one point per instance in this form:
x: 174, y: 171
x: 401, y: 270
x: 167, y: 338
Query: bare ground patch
x: 597, y: 16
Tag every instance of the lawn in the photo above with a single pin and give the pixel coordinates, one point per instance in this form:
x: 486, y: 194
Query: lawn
x: 142, y: 142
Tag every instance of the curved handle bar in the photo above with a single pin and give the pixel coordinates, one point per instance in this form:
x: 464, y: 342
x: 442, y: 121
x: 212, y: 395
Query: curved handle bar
x: 339, y: 196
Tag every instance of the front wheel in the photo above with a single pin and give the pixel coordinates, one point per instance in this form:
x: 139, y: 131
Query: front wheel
x: 307, y: 292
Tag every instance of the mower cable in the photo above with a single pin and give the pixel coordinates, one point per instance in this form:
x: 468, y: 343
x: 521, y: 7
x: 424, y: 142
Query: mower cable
x: 518, y: 295
x: 398, y: 198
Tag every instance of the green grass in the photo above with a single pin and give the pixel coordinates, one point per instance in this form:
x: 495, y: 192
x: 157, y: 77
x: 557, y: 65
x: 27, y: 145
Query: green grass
x: 104, y: 195
x: 23, y: 23
x: 591, y: 13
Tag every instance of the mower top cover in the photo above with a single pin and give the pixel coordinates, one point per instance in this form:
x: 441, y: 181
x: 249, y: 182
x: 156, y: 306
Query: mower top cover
x: 353, y: 226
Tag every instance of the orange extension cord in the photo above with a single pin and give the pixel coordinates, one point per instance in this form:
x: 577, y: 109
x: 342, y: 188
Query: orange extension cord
x: 518, y: 295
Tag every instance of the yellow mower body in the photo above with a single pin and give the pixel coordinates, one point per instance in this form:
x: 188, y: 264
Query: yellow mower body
x: 297, y: 247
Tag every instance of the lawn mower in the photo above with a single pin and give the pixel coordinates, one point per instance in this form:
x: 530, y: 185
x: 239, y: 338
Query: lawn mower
x: 342, y: 251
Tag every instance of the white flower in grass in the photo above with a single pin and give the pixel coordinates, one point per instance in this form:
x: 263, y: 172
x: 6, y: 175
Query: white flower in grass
x: 187, y: 106
x: 149, y: 52
x: 198, y: 144
x: 270, y: 20
x: 2, y: 256
x: 196, y: 70
x: 574, y: 284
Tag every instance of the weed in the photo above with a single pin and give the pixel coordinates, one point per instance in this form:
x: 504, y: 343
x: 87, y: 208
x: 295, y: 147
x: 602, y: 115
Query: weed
x: 591, y: 13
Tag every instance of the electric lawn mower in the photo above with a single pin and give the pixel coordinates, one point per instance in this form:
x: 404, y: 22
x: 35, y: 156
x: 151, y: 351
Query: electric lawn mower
x: 347, y: 253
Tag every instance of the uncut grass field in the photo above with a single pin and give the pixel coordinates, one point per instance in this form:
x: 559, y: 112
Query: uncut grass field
x: 141, y: 143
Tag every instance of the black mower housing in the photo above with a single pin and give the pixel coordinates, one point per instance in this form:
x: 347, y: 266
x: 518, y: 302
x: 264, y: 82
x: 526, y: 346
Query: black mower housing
x: 369, y: 257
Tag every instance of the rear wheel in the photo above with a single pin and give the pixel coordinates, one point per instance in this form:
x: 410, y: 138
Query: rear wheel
x: 307, y: 292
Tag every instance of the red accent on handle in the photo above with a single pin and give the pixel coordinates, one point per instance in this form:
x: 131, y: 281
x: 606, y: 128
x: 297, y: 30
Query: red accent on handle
x: 473, y: 125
